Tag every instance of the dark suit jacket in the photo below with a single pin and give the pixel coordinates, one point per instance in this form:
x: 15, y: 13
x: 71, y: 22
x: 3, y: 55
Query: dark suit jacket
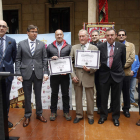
x: 25, y: 60
x: 98, y: 43
x: 119, y: 59
x: 9, y: 56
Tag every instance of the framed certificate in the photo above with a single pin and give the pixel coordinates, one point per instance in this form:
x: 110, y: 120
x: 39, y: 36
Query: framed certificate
x: 88, y: 58
x: 60, y: 66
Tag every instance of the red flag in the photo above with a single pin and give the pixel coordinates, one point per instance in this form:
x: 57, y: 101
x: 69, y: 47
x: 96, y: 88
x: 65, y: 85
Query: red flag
x: 103, y: 11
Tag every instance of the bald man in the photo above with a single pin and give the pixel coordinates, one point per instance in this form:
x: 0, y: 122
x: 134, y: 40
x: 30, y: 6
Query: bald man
x: 59, y: 48
x: 7, y: 59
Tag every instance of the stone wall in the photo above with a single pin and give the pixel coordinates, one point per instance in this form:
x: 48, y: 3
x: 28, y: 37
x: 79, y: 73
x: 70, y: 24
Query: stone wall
x: 126, y: 15
x: 33, y: 12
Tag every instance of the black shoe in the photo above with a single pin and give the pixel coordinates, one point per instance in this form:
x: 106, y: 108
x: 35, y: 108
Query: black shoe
x: 126, y: 114
x: 10, y: 125
x: 110, y: 110
x: 76, y: 120
x: 101, y: 120
x: 90, y: 121
x: 116, y: 122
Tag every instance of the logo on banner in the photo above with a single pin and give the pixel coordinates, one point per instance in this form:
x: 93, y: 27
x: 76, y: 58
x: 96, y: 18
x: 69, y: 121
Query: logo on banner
x: 58, y: 107
x: 44, y: 101
x: 49, y: 106
x: 13, y: 87
x: 18, y: 82
x: 48, y: 87
x: 49, y: 97
x: 43, y: 90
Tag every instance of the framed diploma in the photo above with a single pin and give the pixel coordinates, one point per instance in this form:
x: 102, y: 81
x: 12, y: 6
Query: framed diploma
x: 88, y: 58
x: 60, y: 66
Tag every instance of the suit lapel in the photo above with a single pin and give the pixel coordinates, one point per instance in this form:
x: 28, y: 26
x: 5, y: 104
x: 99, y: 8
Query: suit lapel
x: 105, y: 49
x: 6, y: 45
x: 27, y: 46
x: 37, y: 44
x: 116, y: 49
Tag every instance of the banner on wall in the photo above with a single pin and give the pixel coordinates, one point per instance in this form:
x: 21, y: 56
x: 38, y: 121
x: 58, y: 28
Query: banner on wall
x: 101, y: 27
x: 16, y: 90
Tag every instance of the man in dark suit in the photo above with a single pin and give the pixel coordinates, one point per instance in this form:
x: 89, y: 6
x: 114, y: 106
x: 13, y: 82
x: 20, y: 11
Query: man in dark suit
x: 95, y: 35
x: 112, y: 58
x: 59, y: 48
x: 31, y: 60
x: 7, y: 59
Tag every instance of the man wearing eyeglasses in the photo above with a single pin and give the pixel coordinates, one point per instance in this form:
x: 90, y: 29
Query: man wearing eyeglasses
x: 31, y: 60
x: 7, y: 59
x: 130, y: 57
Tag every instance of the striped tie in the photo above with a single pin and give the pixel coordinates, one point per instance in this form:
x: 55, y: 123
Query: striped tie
x: 32, y: 48
x: 83, y: 46
x: 111, y: 56
x: 1, y: 45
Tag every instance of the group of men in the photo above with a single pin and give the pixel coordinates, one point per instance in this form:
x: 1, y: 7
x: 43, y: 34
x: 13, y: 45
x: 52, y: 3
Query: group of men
x: 31, y: 63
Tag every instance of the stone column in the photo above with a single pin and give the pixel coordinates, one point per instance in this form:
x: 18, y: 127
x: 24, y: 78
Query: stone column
x: 91, y: 11
x: 1, y: 10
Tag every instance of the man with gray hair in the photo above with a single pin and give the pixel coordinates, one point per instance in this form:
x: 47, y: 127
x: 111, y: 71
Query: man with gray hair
x: 95, y: 35
x: 83, y: 77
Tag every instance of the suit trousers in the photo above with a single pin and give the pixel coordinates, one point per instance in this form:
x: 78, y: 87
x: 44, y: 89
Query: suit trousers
x: 64, y: 81
x: 8, y: 90
x: 139, y: 96
x: 98, y: 94
x: 126, y: 94
x: 115, y: 95
x: 27, y: 88
x: 90, y: 101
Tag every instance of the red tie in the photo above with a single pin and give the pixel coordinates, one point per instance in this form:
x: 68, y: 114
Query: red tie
x: 111, y: 56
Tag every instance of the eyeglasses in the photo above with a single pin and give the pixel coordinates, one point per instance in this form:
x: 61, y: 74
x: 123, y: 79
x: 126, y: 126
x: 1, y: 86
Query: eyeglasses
x: 3, y: 26
x: 121, y: 35
x: 33, y: 32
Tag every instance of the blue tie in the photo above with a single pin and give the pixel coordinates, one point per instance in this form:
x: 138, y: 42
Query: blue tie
x: 32, y: 48
x: 1, y: 45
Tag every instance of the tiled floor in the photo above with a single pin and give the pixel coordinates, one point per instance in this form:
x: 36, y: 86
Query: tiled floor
x: 60, y: 129
x: 133, y: 108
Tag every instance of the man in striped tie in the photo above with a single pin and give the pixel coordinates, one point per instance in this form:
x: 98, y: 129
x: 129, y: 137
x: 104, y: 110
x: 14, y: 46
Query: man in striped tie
x: 31, y: 60
x: 112, y: 58
x: 7, y: 59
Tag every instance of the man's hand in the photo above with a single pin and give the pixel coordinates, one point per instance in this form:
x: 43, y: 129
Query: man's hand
x: 75, y: 79
x: 45, y: 78
x: 20, y: 78
x: 132, y: 73
x: 54, y: 57
x: 86, y: 69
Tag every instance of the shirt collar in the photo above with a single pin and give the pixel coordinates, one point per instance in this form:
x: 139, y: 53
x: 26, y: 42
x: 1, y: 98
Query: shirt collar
x: 31, y: 40
x: 4, y: 37
x: 59, y: 44
x: 109, y: 44
x: 123, y: 42
x: 86, y: 45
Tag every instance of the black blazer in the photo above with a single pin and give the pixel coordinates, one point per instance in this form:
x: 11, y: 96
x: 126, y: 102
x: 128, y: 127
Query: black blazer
x: 119, y: 59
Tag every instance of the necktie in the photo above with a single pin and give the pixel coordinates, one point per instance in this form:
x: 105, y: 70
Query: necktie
x: 1, y: 45
x: 111, y: 56
x: 32, y: 48
x: 83, y: 46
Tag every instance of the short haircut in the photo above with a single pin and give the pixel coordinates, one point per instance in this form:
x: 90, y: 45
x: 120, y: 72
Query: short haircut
x: 84, y: 31
x: 120, y: 31
x: 31, y: 27
x: 109, y: 29
x: 95, y: 31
